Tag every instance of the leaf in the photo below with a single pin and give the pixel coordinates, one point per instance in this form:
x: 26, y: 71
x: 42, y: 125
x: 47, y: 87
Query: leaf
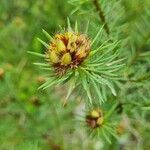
x: 43, y: 43
x: 47, y: 35
x: 99, y: 32
x: 111, y: 131
x: 41, y: 64
x: 66, y: 79
x: 98, y: 91
x: 109, y: 58
x: 85, y: 85
x: 91, y: 75
x: 72, y: 84
x: 45, y: 68
x: 76, y: 27
x: 105, y: 135
x: 108, y: 83
x: 48, y: 83
x: 104, y: 93
x: 93, y: 52
x: 87, y: 27
x: 108, y: 114
x: 71, y: 88
x: 36, y: 54
x: 69, y: 24
x: 114, y: 62
x: 108, y: 51
x: 75, y: 10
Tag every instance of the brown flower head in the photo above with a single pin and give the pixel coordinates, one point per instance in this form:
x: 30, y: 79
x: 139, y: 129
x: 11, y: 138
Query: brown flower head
x: 67, y: 50
x: 95, y: 118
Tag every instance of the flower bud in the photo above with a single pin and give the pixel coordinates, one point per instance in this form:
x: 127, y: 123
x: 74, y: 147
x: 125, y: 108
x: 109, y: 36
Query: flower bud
x: 94, y: 114
x: 66, y: 59
x: 54, y: 57
x: 94, y: 118
x: 100, y: 121
x: 60, y: 46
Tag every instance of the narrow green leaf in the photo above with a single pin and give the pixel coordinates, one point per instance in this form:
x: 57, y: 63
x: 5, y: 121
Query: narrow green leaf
x: 112, y: 46
x: 108, y: 83
x: 43, y: 43
x: 96, y: 37
x: 114, y: 62
x: 111, y: 131
x: 87, y: 27
x: 108, y: 114
x: 47, y: 35
x: 41, y: 64
x: 85, y: 85
x: 66, y: 79
x: 104, y: 93
x: 94, y: 64
x: 93, y: 52
x: 94, y: 76
x: 45, y: 68
x: 76, y: 26
x: 109, y: 58
x: 61, y: 28
x: 36, y: 54
x: 105, y: 135
x: 69, y: 24
x: 98, y: 92
x: 71, y: 88
x: 75, y: 10
x: 48, y: 83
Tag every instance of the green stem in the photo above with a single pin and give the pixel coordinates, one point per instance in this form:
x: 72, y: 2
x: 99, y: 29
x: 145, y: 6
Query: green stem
x: 101, y: 15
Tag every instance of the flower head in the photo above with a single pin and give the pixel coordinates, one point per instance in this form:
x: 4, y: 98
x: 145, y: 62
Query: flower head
x: 94, y: 118
x: 67, y: 50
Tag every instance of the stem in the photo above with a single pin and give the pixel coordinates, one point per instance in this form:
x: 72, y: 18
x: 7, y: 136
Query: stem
x: 101, y: 15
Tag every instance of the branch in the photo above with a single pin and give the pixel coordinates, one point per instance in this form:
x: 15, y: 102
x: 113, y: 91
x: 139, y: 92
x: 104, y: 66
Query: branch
x: 143, y: 78
x: 101, y: 15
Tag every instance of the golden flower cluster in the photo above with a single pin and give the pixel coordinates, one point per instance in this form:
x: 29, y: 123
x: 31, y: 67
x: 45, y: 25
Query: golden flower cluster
x: 95, y: 118
x: 67, y: 50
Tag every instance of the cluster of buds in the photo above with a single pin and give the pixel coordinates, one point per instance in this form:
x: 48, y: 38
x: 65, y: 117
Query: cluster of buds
x: 95, y: 118
x: 67, y: 50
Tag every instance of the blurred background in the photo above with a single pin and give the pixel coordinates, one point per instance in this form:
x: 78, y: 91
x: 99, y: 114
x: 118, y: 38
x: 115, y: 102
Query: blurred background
x: 31, y: 119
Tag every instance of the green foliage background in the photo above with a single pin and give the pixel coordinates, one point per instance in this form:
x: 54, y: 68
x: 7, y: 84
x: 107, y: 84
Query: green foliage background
x: 35, y: 120
x: 24, y: 125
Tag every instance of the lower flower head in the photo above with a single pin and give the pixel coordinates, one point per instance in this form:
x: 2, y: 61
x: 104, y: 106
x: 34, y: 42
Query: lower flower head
x: 94, y: 118
x: 68, y: 50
